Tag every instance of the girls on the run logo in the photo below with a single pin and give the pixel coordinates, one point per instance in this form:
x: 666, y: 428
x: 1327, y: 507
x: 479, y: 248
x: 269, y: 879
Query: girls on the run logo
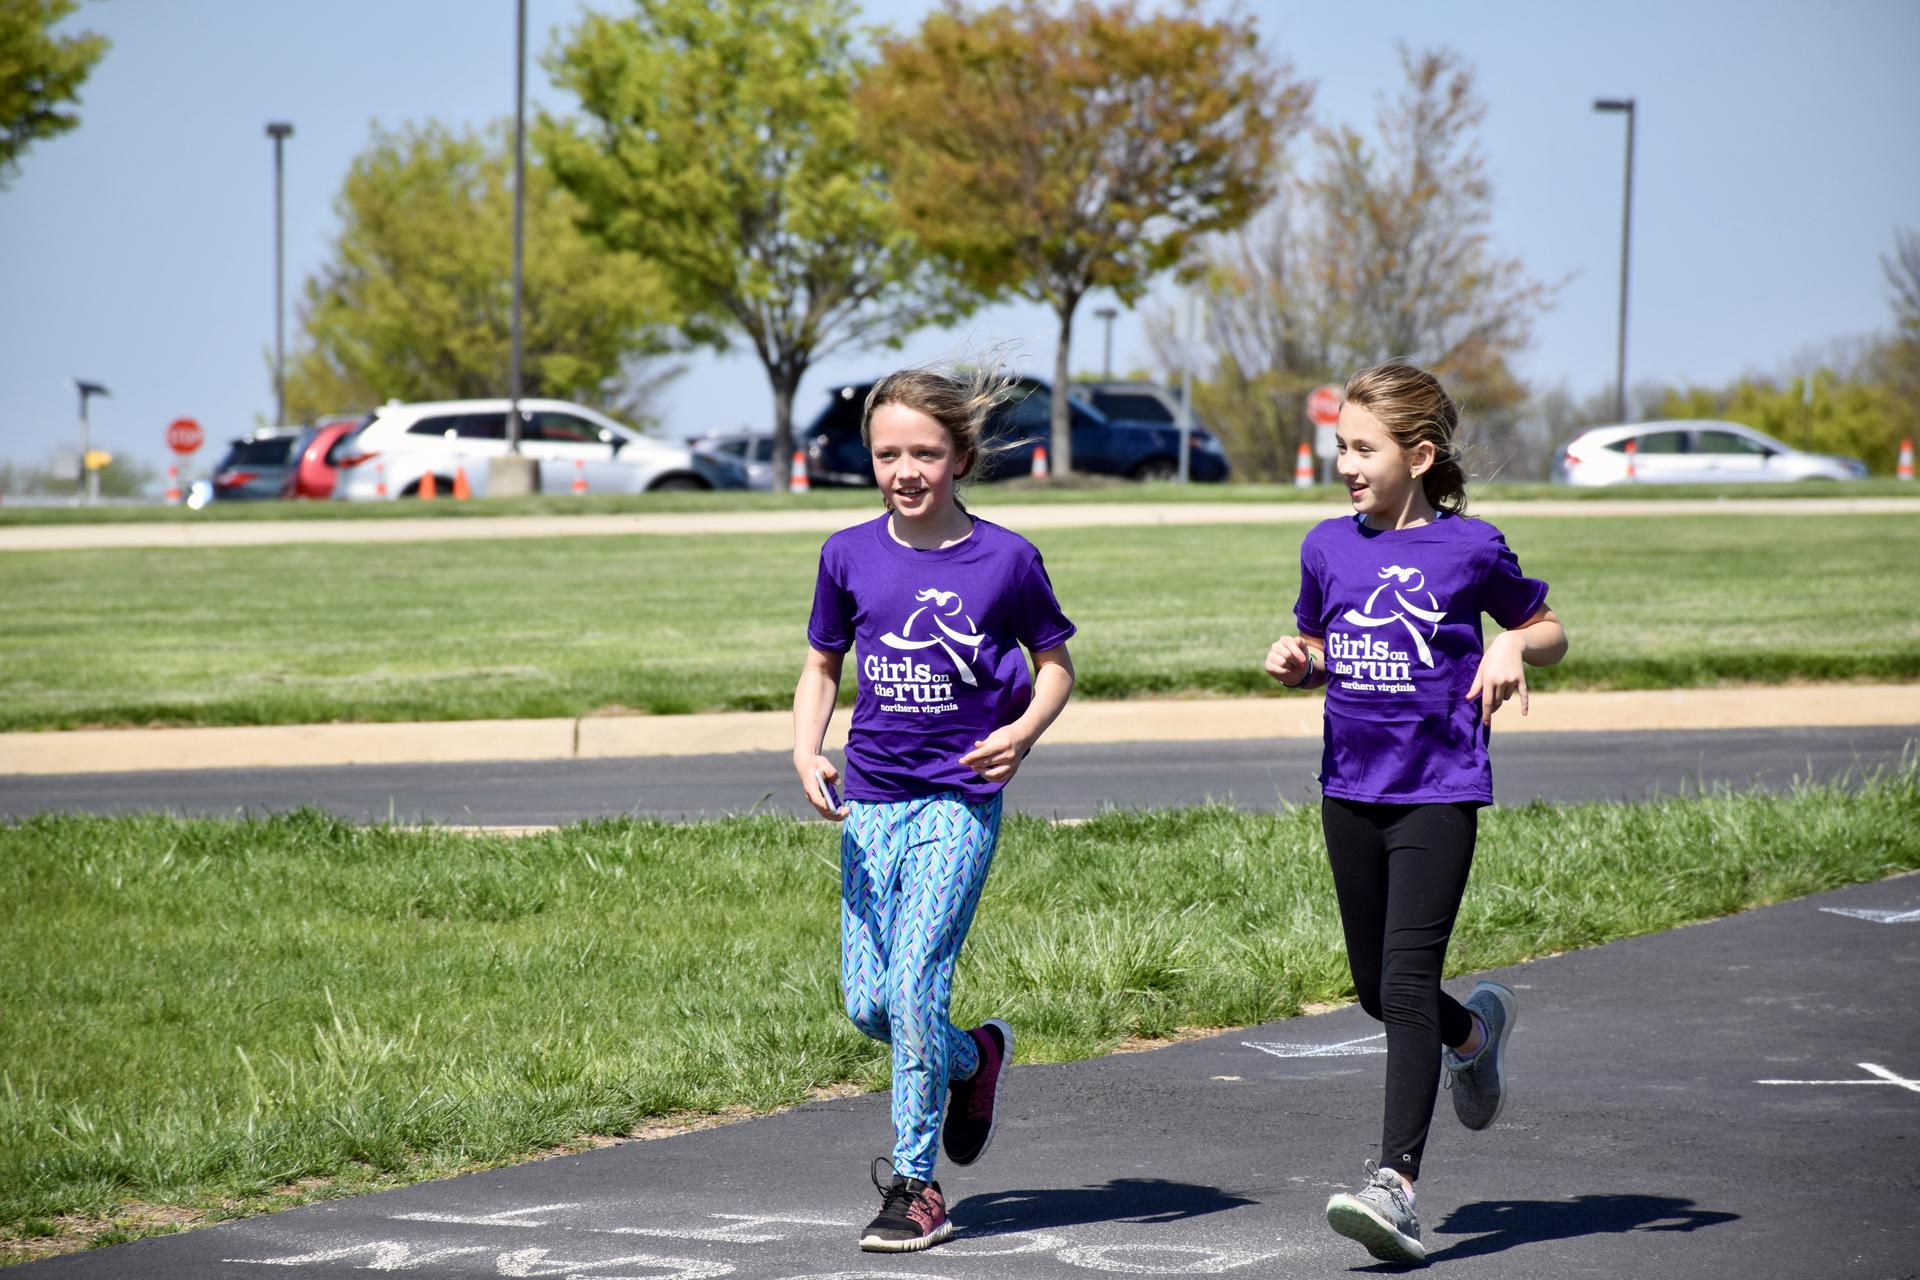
x: 936, y: 607
x: 1400, y: 609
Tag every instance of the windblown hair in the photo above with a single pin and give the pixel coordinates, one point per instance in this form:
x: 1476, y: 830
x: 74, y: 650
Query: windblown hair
x: 959, y: 400
x: 1413, y: 406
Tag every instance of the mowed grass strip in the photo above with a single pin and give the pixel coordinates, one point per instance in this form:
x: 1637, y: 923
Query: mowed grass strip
x: 567, y: 627
x: 202, y: 1014
x: 1082, y: 489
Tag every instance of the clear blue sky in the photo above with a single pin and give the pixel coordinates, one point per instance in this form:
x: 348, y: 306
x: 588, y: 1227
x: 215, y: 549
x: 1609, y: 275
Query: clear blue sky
x: 1776, y: 157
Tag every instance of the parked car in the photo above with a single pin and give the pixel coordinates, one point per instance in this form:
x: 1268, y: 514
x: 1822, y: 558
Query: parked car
x: 1692, y: 451
x: 1023, y: 421
x: 751, y: 449
x: 401, y: 443
x: 310, y: 466
x: 254, y: 466
x: 1134, y: 401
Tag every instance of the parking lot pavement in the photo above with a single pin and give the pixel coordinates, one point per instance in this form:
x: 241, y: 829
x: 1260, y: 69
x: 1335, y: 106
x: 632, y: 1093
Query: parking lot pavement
x: 1740, y: 1098
x: 1060, y: 781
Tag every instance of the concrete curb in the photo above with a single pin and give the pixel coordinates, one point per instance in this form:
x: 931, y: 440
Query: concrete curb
x: 827, y: 520
x: 1197, y: 720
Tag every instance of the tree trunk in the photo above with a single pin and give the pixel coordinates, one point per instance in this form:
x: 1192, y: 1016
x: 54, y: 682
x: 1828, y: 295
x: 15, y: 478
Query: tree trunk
x: 1061, y: 451
x: 785, y: 383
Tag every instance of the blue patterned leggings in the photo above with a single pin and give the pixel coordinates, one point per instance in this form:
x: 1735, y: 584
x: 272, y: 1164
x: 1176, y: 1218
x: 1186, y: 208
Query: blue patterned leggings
x: 911, y: 872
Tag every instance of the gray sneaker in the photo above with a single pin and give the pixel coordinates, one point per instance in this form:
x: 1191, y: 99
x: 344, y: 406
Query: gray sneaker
x: 1479, y: 1083
x: 1379, y: 1216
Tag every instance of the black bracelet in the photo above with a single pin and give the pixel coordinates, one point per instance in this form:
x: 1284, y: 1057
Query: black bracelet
x: 1306, y: 675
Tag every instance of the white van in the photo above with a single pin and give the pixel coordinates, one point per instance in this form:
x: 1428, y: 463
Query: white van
x: 573, y: 445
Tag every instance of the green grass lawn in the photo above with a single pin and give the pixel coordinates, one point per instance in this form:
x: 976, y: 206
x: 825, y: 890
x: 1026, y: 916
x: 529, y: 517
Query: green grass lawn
x: 563, y: 627
x: 1081, y: 489
x: 200, y: 1012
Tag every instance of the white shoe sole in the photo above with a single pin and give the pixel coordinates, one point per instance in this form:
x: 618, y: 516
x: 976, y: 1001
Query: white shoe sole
x: 874, y: 1244
x: 1356, y: 1220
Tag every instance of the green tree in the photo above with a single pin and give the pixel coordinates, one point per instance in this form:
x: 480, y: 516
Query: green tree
x: 40, y: 74
x: 720, y: 143
x: 1382, y: 250
x: 1847, y: 412
x: 415, y: 302
x: 1047, y: 151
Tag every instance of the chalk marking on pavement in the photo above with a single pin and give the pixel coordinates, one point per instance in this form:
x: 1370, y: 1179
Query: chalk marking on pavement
x: 1211, y: 1262
x: 501, y: 1219
x: 1345, y: 1049
x: 524, y: 1261
x: 382, y: 1255
x: 1875, y: 914
x: 1037, y: 1242
x: 733, y: 1232
x: 1885, y: 1077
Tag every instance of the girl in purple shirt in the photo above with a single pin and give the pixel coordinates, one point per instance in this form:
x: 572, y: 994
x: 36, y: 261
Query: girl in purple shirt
x: 938, y: 606
x: 1389, y: 622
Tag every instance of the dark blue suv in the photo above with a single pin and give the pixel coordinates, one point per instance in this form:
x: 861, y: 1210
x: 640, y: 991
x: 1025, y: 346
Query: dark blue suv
x: 1101, y: 445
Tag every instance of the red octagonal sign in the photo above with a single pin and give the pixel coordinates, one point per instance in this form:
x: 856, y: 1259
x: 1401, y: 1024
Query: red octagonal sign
x: 1323, y: 406
x: 184, y: 435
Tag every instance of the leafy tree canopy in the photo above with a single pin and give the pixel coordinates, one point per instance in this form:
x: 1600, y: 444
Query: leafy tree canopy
x: 40, y: 75
x: 415, y: 302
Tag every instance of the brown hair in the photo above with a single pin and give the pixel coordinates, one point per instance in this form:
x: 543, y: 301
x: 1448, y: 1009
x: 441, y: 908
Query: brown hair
x: 958, y: 401
x: 1413, y: 406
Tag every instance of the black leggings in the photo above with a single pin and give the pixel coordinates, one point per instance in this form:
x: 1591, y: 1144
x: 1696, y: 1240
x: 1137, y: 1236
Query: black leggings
x: 1399, y: 871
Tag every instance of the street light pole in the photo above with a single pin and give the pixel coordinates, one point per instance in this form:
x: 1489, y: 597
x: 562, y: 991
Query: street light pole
x: 519, y: 216
x: 279, y: 131
x: 1108, y: 314
x: 1626, y: 239
x: 92, y: 477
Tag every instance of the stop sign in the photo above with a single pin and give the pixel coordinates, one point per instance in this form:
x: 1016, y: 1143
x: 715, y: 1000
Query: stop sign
x: 184, y: 435
x: 1323, y: 406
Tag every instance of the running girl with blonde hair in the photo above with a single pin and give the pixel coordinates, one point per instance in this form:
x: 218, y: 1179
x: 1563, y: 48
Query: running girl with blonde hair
x: 938, y: 605
x: 1389, y: 622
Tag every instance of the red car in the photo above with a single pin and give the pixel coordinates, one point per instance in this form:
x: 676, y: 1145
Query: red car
x: 310, y: 469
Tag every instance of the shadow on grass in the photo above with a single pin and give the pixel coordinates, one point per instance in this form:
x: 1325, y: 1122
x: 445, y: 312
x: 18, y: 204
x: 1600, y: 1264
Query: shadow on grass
x: 1142, y: 1200
x: 1500, y: 1225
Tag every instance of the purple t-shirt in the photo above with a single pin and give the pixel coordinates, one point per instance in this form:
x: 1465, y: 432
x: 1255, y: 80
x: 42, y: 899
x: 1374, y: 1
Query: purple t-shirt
x: 938, y: 637
x: 1400, y: 610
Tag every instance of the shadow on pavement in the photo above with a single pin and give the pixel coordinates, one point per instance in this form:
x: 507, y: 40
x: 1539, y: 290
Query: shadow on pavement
x: 1507, y: 1224
x: 1146, y: 1200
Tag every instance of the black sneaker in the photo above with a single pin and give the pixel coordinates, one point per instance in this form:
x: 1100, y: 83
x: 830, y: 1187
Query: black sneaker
x: 970, y: 1104
x: 913, y: 1214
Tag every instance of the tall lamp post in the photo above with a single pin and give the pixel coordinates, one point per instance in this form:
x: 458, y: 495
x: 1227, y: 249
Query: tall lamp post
x: 1626, y: 236
x: 1108, y: 314
x: 88, y: 390
x: 279, y: 131
x: 514, y: 472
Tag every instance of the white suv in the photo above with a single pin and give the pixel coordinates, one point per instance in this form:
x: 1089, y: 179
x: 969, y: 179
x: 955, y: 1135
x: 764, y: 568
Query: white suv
x: 573, y: 445
x: 1690, y: 451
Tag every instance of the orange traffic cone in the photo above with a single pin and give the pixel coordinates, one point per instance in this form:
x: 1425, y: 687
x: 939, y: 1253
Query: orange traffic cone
x: 797, y: 479
x: 1303, y: 467
x: 460, y: 490
x: 380, y: 480
x: 173, y: 485
x: 1905, y: 470
x: 579, y: 476
x: 1633, y: 447
x: 429, y: 487
x: 1041, y: 468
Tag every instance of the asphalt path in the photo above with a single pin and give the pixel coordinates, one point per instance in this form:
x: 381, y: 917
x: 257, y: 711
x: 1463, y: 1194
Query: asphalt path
x: 1738, y: 1099
x: 1063, y: 781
